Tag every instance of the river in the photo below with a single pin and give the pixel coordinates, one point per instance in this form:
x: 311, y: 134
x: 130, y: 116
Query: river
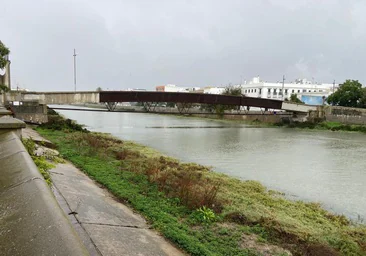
x: 320, y: 166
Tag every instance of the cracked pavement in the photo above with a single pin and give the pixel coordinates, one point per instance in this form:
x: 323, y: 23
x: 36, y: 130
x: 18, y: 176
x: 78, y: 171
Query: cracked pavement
x: 106, y: 226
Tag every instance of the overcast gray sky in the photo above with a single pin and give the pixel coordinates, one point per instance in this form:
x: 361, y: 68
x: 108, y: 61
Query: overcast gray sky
x: 143, y: 43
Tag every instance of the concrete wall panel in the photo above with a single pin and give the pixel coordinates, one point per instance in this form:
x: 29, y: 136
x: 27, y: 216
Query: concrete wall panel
x: 297, y: 107
x: 31, y: 221
x: 55, y: 97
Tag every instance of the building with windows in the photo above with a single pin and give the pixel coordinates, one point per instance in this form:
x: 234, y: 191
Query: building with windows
x: 174, y: 88
x: 213, y: 90
x: 308, y: 92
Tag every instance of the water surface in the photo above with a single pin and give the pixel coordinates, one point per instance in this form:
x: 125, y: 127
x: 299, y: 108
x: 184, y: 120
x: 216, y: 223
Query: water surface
x: 322, y: 166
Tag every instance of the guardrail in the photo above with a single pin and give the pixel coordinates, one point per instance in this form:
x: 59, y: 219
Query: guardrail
x: 31, y: 221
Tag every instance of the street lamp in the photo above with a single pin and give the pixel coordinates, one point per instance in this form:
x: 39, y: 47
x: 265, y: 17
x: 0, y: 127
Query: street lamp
x: 283, y: 86
x: 74, y: 70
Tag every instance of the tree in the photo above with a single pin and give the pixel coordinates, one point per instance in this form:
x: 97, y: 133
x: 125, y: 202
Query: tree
x: 4, y: 52
x: 232, y: 91
x: 349, y: 94
x: 294, y: 99
x: 3, y: 88
x: 99, y: 89
x: 362, y: 103
x: 220, y: 109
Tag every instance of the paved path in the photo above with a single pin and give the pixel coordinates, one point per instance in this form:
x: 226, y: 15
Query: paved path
x: 106, y: 226
x: 30, y: 133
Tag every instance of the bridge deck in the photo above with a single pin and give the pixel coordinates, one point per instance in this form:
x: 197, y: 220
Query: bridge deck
x: 112, y: 97
x: 179, y: 97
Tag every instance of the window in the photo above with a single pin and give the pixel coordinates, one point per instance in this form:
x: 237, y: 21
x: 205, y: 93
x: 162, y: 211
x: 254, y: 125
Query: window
x: 293, y: 90
x: 298, y: 91
x: 309, y: 91
x: 303, y: 90
x: 286, y: 91
x: 274, y: 91
x: 269, y: 90
x: 255, y: 90
x: 245, y: 91
x: 260, y: 91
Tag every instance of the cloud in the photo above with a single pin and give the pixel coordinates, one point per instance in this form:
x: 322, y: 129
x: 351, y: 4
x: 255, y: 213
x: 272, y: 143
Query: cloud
x: 141, y: 44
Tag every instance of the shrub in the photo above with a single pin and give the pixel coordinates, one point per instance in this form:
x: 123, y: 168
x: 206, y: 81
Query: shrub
x: 41, y: 162
x: 203, y: 215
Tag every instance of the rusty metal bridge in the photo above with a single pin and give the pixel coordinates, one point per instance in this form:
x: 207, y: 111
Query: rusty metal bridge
x: 184, y: 101
x: 151, y: 100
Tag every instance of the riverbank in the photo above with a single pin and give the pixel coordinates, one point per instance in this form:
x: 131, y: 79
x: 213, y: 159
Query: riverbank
x: 105, y: 225
x: 325, y: 125
x: 204, y: 212
x: 322, y: 125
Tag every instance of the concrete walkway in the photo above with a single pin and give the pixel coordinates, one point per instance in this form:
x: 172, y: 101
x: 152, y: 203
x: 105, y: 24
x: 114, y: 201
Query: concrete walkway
x: 106, y: 226
x: 30, y: 133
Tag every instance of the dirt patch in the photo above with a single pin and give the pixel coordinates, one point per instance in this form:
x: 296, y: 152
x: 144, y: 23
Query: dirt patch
x: 252, y: 242
x: 321, y: 250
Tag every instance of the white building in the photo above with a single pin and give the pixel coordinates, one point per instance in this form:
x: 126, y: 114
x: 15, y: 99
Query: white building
x: 174, y: 88
x: 214, y: 90
x: 171, y: 88
x: 306, y: 91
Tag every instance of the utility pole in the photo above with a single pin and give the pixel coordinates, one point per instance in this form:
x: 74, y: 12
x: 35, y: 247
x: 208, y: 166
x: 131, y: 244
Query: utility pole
x: 283, y: 86
x: 74, y: 70
x: 333, y: 85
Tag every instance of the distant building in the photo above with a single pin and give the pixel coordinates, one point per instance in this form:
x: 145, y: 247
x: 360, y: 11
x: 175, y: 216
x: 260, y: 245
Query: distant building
x: 308, y: 92
x: 172, y: 88
x: 135, y: 89
x: 160, y: 88
x: 213, y: 90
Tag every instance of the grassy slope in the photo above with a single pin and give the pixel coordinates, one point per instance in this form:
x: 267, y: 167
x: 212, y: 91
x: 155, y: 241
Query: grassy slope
x: 326, y: 125
x: 333, y: 126
x: 247, y: 207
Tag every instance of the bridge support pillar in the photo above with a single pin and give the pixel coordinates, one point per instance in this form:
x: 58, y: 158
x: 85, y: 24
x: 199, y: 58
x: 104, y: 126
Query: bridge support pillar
x: 111, y: 106
x: 184, y: 108
x: 150, y: 106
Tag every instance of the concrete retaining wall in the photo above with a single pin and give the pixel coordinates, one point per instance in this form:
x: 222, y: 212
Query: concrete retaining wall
x: 268, y: 118
x: 32, y: 113
x: 343, y: 114
x: 4, y: 112
x: 31, y: 221
x: 293, y: 107
x: 54, y: 97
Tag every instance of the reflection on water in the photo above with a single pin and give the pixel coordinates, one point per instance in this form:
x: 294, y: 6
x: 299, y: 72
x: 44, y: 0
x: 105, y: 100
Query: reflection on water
x: 321, y: 166
x: 187, y: 127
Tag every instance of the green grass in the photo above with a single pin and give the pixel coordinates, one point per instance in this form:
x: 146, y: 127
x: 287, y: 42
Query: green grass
x: 336, y: 126
x: 42, y: 163
x: 169, y: 194
x: 325, y: 125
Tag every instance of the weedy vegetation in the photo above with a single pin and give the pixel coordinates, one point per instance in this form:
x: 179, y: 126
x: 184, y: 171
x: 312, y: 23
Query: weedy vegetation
x: 204, y: 212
